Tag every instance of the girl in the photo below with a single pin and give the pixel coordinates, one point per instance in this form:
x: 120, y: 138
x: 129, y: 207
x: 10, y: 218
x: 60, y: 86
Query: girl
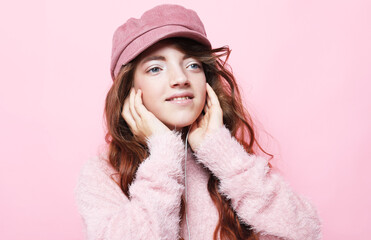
x: 180, y: 162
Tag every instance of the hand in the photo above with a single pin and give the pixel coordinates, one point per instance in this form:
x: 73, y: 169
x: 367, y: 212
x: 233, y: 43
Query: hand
x: 211, y: 121
x: 141, y: 122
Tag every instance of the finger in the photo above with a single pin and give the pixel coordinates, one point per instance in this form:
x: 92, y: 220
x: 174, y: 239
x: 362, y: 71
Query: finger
x: 208, y: 101
x: 126, y: 114
x: 206, y: 108
x: 194, y: 126
x: 212, y: 95
x: 138, y: 104
x: 203, y: 121
x: 206, y: 112
x: 132, y: 107
x: 129, y: 119
x: 198, y: 121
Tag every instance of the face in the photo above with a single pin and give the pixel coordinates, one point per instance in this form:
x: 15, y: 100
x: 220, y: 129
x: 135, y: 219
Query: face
x: 173, y: 84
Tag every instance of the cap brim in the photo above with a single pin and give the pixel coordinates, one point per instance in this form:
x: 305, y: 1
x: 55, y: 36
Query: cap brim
x: 149, y: 38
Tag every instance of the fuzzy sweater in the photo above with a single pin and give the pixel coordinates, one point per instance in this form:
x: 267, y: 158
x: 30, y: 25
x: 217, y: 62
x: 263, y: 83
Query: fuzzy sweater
x: 260, y: 197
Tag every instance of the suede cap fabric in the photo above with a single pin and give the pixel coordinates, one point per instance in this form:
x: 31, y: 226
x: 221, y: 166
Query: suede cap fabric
x: 160, y: 22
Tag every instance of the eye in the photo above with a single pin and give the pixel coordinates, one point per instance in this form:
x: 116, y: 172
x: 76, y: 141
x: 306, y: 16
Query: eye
x: 154, y: 70
x: 195, y: 65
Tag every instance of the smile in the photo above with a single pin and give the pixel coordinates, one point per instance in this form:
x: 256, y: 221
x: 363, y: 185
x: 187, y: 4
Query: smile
x: 179, y: 98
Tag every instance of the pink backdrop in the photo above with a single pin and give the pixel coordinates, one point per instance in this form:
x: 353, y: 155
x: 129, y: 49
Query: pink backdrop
x: 305, y: 70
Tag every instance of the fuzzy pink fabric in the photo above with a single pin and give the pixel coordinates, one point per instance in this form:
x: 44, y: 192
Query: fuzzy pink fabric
x: 260, y: 197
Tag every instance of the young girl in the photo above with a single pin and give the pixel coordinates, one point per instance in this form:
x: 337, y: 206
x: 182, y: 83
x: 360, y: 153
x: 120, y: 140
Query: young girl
x: 180, y: 162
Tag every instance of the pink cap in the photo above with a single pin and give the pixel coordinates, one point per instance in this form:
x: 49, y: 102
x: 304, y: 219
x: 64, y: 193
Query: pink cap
x: 160, y: 22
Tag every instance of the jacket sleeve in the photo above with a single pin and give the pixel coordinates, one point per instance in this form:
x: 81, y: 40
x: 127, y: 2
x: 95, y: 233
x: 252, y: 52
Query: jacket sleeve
x: 260, y: 197
x: 153, y: 209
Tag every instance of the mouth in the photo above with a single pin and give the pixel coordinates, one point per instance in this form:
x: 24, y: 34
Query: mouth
x: 184, y: 96
x: 179, y: 98
x: 182, y: 99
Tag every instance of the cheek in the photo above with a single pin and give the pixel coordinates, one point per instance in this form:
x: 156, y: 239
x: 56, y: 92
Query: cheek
x: 151, y: 92
x: 203, y: 100
x: 146, y: 91
x: 150, y: 98
x: 146, y: 96
x: 138, y: 85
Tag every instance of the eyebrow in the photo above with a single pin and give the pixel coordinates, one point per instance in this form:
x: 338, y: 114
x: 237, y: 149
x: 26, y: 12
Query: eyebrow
x: 162, y: 58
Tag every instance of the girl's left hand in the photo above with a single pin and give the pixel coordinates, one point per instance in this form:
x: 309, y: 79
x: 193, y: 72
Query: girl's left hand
x: 211, y: 121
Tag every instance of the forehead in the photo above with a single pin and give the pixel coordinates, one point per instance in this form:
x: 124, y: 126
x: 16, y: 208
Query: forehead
x: 158, y: 48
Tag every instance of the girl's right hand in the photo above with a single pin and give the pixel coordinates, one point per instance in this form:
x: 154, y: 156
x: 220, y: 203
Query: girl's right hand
x: 141, y: 122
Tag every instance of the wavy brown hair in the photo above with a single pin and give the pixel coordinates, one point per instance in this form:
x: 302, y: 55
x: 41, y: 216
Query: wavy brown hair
x: 125, y: 152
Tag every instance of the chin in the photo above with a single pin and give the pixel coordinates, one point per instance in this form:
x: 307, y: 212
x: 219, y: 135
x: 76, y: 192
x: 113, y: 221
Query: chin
x: 178, y: 123
x: 179, y: 119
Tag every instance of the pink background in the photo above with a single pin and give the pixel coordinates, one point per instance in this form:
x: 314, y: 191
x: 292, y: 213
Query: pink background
x: 304, y: 67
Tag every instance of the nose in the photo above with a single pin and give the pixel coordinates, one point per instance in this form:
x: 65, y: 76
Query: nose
x: 178, y: 78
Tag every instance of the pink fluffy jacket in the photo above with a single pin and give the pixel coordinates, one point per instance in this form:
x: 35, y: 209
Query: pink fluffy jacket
x: 259, y: 195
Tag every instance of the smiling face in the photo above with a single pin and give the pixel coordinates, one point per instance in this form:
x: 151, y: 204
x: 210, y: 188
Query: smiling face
x: 173, y: 84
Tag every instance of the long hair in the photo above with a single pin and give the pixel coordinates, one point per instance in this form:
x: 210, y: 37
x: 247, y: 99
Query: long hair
x: 125, y: 153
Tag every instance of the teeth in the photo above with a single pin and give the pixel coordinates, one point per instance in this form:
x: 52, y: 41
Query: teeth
x: 179, y: 98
